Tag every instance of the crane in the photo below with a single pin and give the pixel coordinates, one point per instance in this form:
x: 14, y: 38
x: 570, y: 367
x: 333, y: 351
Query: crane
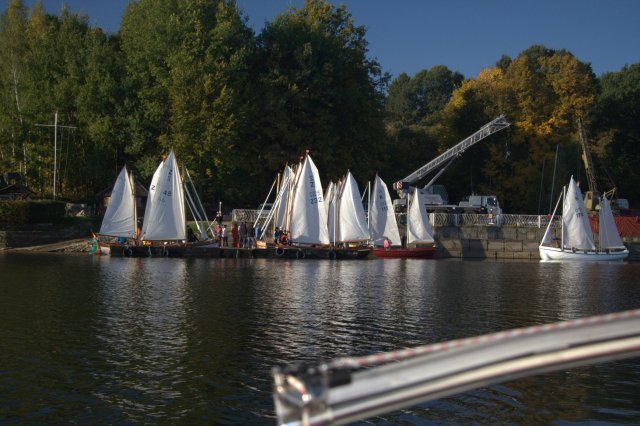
x: 592, y: 196
x: 446, y: 158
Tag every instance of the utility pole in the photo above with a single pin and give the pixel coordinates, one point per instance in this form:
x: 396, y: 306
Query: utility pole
x: 55, y: 148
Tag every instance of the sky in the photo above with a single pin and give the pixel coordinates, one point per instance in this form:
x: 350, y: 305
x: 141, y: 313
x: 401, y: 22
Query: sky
x: 464, y: 35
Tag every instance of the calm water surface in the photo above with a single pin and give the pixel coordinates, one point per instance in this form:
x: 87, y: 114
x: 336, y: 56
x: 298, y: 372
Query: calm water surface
x: 106, y: 340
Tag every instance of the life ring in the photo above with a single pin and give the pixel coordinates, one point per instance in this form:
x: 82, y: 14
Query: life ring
x: 279, y: 251
x: 332, y: 254
x: 128, y: 252
x: 300, y: 254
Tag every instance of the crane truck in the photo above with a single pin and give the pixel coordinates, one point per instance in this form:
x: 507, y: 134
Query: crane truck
x: 592, y: 196
x: 435, y: 195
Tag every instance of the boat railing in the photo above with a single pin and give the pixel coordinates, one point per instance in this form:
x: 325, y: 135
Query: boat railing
x: 248, y: 215
x: 473, y: 219
x: 349, y: 389
x: 440, y: 219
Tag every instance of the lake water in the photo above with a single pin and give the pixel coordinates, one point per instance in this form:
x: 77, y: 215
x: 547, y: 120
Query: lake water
x: 120, y: 340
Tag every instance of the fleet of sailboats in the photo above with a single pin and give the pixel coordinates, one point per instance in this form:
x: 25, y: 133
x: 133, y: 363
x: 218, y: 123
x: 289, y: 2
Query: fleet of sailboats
x: 164, y: 227
x: 576, y: 241
x: 332, y: 224
x: 384, y: 228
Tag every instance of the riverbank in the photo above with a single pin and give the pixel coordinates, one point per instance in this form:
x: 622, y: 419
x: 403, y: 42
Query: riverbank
x: 460, y: 243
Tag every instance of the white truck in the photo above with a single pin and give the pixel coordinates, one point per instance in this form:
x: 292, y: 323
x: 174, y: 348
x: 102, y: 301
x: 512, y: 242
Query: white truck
x: 481, y: 204
x: 435, y: 196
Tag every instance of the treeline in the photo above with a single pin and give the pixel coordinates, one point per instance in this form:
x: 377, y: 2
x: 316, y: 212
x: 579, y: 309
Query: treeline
x: 237, y: 106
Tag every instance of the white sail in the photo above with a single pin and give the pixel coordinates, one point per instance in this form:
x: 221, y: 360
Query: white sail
x: 120, y: 218
x: 352, y: 224
x: 164, y: 218
x: 382, y: 219
x: 329, y: 194
x: 609, y: 237
x: 546, y: 238
x: 330, y: 201
x: 309, y: 215
x: 418, y: 228
x: 283, y: 197
x: 577, y: 231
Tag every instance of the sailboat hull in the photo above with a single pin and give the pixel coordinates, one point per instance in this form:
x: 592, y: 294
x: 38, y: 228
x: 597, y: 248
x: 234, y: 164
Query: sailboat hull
x: 312, y: 252
x: 405, y: 253
x: 555, y: 253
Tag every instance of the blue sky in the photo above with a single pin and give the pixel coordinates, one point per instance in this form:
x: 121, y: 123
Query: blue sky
x: 465, y: 35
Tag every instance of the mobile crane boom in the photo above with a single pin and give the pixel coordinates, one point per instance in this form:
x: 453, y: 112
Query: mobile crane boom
x: 588, y: 161
x: 451, y: 154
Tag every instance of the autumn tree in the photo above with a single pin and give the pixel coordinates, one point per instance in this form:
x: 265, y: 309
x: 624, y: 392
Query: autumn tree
x: 542, y: 92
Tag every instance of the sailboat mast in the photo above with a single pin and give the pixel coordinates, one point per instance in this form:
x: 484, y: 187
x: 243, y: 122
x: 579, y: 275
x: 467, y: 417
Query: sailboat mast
x: 369, y: 206
x: 564, y: 199
x: 132, y: 183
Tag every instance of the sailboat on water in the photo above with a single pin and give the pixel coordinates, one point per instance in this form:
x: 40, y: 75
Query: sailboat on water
x: 384, y: 228
x: 120, y: 219
x: 577, y: 241
x: 164, y: 228
x: 304, y: 221
x: 347, y: 223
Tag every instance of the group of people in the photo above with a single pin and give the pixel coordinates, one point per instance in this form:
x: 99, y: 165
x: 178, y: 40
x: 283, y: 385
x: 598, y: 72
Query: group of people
x: 244, y: 235
x: 280, y: 236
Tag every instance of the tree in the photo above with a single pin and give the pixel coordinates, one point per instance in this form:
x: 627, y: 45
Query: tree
x: 148, y: 36
x: 542, y: 92
x: 320, y: 92
x: 211, y: 97
x: 616, y: 129
x: 413, y: 110
x: 13, y: 50
x: 419, y: 99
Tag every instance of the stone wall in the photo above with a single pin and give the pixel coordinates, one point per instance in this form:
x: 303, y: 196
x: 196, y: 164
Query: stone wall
x: 492, y: 242
x: 14, y: 237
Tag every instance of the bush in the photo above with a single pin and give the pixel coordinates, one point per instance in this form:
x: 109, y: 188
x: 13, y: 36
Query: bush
x: 31, y: 212
x: 14, y: 212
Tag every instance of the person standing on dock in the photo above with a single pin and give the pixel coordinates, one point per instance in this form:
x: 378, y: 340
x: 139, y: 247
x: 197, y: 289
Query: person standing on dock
x: 225, y: 236
x: 243, y: 234
x: 236, y: 235
x: 219, y: 234
x: 250, y: 241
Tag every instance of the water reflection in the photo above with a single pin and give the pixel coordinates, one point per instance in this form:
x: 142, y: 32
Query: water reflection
x: 193, y: 340
x: 143, y: 333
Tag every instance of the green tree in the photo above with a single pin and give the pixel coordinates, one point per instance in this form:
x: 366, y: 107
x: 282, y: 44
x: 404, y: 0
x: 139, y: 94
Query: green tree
x: 413, y: 110
x: 211, y: 97
x: 321, y: 93
x: 148, y: 36
x: 617, y: 129
x: 418, y: 100
x: 13, y: 49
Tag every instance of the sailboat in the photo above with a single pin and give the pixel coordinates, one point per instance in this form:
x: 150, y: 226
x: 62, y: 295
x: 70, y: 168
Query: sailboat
x: 384, y: 228
x: 305, y: 219
x: 120, y: 219
x: 164, y: 227
x: 347, y: 223
x: 577, y: 242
